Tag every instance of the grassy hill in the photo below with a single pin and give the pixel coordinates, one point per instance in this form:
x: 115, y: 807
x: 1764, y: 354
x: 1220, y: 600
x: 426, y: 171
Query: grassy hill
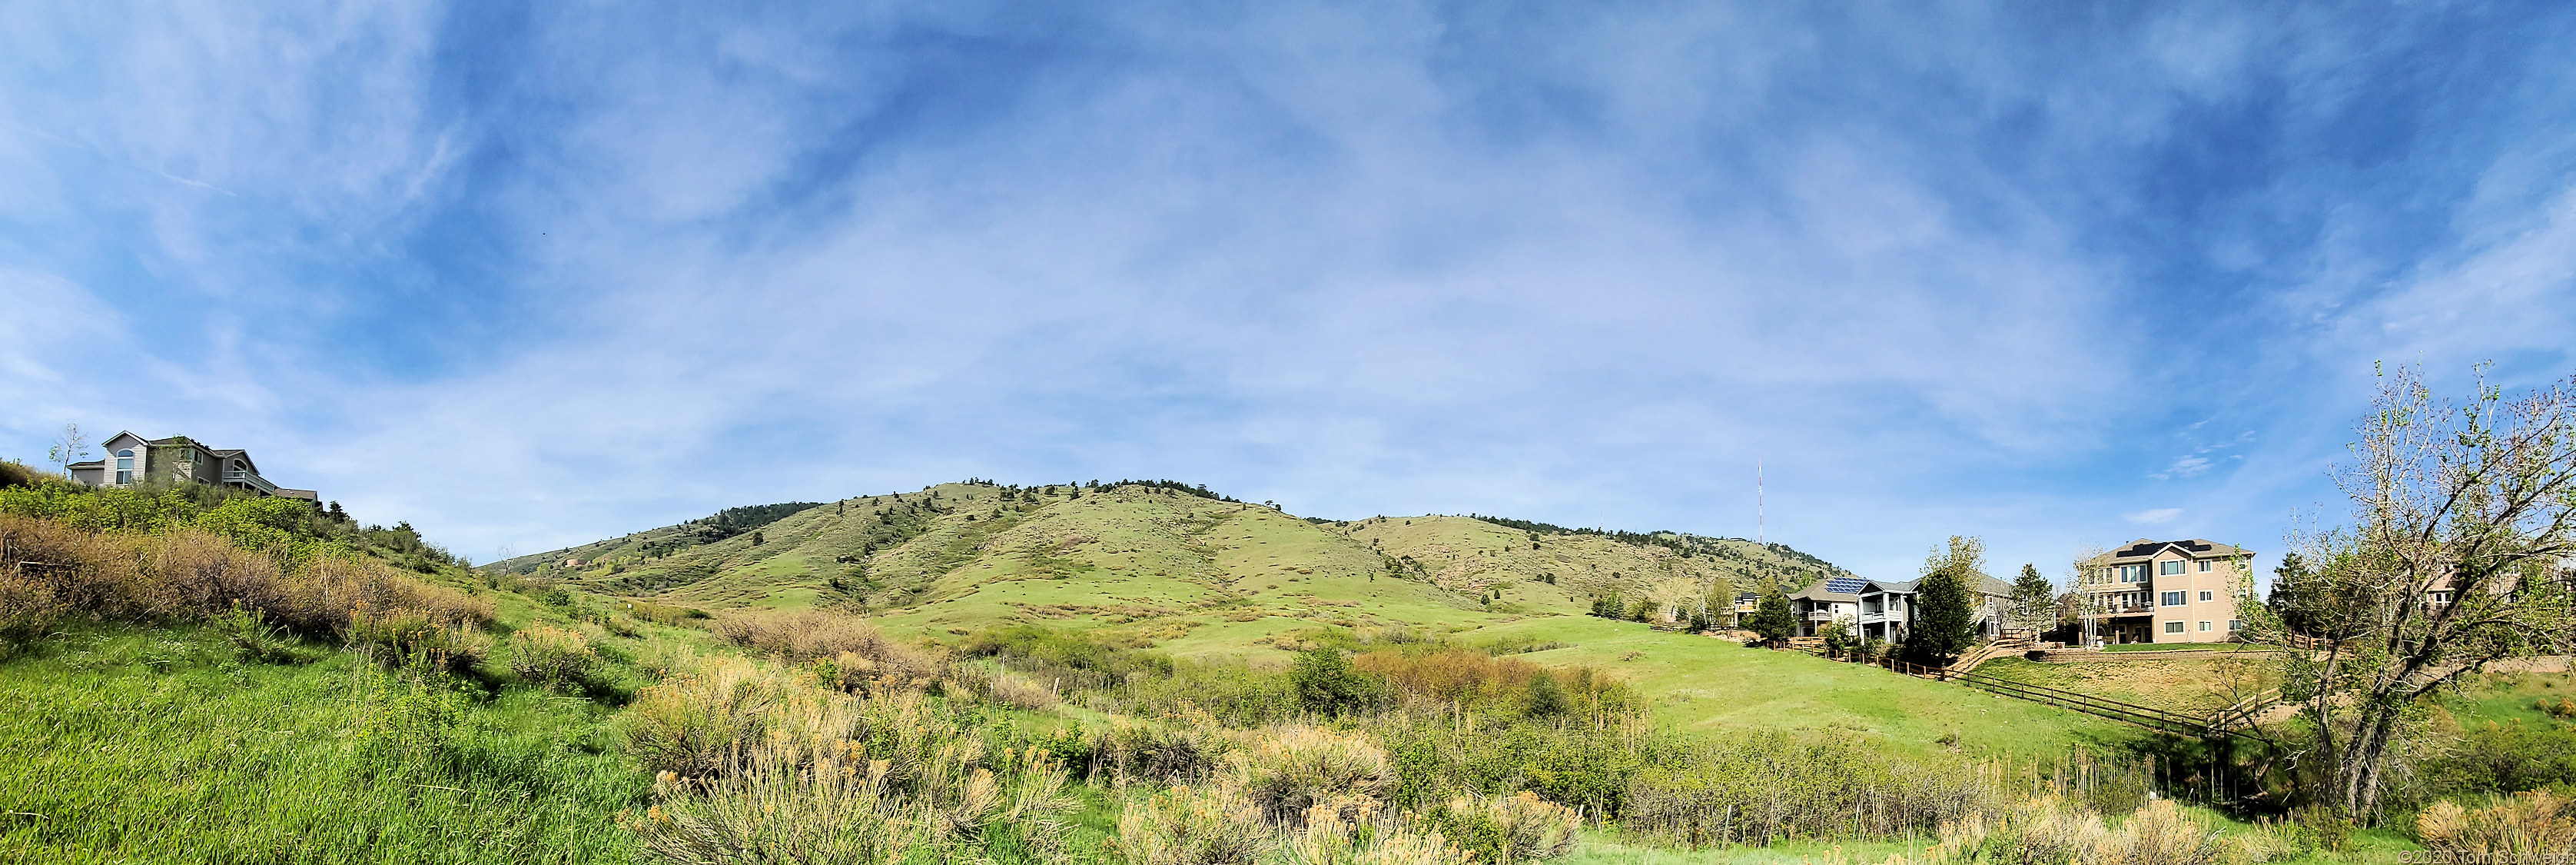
x: 1200, y: 577
x: 1160, y: 562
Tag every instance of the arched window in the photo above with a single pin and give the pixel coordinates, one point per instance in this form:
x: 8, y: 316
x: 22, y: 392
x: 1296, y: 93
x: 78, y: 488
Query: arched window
x: 125, y: 466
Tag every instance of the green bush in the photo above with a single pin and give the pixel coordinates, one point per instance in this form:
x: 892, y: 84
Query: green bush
x: 1327, y: 684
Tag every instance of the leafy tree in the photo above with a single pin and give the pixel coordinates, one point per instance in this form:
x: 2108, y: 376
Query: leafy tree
x: 1544, y: 698
x: 2034, y: 601
x: 1772, y: 620
x: 1945, y: 618
x: 2305, y: 607
x: 1839, y: 639
x: 2464, y: 517
x: 1643, y: 611
x: 1326, y: 683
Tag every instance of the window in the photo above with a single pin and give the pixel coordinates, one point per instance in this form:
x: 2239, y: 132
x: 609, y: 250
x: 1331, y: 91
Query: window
x: 2133, y: 573
x: 2173, y: 627
x: 2173, y: 567
x: 2204, y: 566
x: 2208, y: 596
x: 2235, y: 625
x: 2173, y: 599
x: 2204, y: 626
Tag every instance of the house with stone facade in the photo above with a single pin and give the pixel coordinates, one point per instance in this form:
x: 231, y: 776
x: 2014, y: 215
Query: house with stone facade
x: 132, y: 459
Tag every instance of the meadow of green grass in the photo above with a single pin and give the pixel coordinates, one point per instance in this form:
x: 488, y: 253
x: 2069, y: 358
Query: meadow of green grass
x: 2197, y: 685
x: 127, y: 744
x: 1706, y: 684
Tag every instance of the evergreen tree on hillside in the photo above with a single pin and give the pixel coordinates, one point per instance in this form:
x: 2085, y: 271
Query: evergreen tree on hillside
x: 1944, y: 612
x: 2034, y: 601
x: 1772, y: 620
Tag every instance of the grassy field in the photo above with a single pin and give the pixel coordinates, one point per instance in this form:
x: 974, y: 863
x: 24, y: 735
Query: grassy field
x: 2190, y: 686
x: 129, y: 744
x: 1700, y: 683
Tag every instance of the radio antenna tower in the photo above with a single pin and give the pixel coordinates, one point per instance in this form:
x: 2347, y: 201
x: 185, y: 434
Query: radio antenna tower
x: 1761, y: 533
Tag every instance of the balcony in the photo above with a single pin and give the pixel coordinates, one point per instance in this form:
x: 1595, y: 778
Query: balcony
x: 252, y: 481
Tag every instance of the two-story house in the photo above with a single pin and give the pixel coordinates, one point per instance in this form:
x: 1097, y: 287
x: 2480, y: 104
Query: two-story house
x: 132, y: 459
x: 1826, y: 601
x: 2166, y: 592
x: 1887, y: 608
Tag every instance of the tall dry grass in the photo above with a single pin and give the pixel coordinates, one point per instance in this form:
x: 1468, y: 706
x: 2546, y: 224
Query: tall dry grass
x: 1476, y: 678
x: 852, y: 653
x: 1301, y: 795
x: 2530, y: 826
x: 52, y: 572
x: 1765, y: 787
x: 2046, y: 830
x: 758, y: 763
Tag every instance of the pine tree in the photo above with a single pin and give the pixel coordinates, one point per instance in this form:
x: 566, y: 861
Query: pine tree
x: 1772, y: 620
x: 1945, y: 615
x: 2034, y: 600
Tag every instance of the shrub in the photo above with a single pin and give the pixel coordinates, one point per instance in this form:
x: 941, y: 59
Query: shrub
x: 1292, y: 770
x: 1328, y: 839
x: 1504, y: 829
x: 1016, y: 691
x: 1768, y: 786
x: 1193, y: 826
x: 698, y: 724
x: 2527, y: 826
x: 1182, y: 753
x: 559, y: 658
x: 1327, y: 684
x: 2047, y: 831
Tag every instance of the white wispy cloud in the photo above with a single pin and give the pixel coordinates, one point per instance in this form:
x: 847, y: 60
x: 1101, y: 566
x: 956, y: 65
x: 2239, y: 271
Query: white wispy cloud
x: 614, y: 268
x: 2153, y: 516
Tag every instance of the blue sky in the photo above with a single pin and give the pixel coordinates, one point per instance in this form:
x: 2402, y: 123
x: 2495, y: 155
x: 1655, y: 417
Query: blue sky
x: 2053, y: 274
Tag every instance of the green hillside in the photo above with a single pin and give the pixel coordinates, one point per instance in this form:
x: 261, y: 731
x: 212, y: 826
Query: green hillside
x: 1205, y: 578
x: 1166, y: 564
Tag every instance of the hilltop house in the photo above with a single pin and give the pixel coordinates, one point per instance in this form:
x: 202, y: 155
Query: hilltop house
x: 131, y: 459
x: 1887, y: 608
x: 2166, y: 592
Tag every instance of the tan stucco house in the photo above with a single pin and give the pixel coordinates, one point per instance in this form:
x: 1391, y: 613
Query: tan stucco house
x: 132, y: 459
x: 2166, y: 592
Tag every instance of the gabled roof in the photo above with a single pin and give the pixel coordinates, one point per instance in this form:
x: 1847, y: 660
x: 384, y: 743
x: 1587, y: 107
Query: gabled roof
x: 1823, y: 590
x: 110, y: 443
x: 2143, y: 549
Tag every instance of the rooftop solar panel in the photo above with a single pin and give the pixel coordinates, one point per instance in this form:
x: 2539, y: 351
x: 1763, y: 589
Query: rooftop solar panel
x: 1846, y: 585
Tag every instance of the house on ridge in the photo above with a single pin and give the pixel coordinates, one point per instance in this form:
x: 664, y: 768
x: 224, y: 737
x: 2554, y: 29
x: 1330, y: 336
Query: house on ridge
x: 132, y: 459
